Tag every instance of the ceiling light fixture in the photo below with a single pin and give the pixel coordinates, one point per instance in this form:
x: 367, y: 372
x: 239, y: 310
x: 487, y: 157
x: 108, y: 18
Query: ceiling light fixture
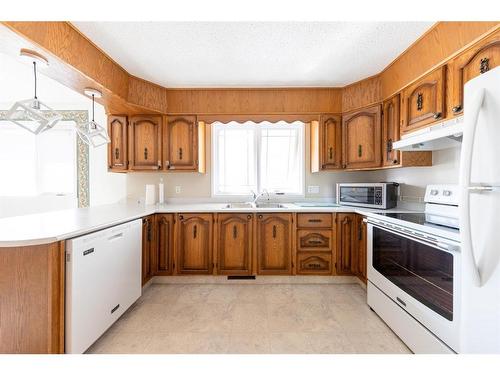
x: 91, y: 132
x: 32, y: 114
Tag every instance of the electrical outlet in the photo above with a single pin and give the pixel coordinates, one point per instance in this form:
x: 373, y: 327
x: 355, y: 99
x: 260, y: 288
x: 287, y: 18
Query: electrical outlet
x: 313, y: 190
x: 178, y: 189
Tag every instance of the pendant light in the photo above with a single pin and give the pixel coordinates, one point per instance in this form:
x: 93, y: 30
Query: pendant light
x: 91, y: 132
x: 32, y: 114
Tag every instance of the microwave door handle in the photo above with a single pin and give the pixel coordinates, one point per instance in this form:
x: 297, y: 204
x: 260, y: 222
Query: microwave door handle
x: 465, y: 182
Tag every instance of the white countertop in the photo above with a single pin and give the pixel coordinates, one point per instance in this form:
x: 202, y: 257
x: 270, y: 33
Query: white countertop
x: 43, y: 228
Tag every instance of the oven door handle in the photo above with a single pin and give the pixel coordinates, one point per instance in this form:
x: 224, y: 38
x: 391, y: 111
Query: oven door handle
x: 440, y: 244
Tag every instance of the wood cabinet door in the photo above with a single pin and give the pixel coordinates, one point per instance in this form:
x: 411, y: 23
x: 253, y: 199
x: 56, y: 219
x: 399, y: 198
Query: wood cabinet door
x: 194, y: 244
x: 361, y: 133
x: 145, y: 142
x: 148, y: 248
x: 346, y: 237
x: 390, y: 130
x: 165, y: 244
x: 424, y: 101
x: 234, y: 244
x: 117, y: 148
x: 181, y: 143
x: 475, y: 61
x: 331, y: 142
x: 274, y: 244
x: 361, y: 247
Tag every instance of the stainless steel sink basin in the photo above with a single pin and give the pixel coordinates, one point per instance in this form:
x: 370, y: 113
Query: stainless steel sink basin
x: 270, y: 205
x: 240, y: 205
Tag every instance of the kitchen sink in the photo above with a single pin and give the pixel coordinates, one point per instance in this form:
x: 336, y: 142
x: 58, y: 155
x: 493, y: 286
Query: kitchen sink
x: 270, y: 205
x: 240, y: 205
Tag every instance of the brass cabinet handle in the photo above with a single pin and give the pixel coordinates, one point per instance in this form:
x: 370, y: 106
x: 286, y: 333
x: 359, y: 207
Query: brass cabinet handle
x: 484, y: 65
x: 195, y: 231
x: 437, y: 115
x: 315, y: 220
x: 180, y: 153
x: 457, y: 109
x: 145, y: 153
x: 274, y: 231
x: 314, y: 242
x: 235, y: 231
x: 117, y: 153
x: 313, y: 265
x: 360, y: 150
x: 420, y: 101
x: 330, y: 153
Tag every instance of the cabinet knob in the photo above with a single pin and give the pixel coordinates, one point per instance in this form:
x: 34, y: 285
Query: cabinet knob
x: 249, y: 217
x: 260, y: 216
x: 457, y: 109
x: 437, y: 115
x: 181, y: 217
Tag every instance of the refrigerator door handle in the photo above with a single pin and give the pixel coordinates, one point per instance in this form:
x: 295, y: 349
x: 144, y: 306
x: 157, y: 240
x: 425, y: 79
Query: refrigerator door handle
x: 465, y: 182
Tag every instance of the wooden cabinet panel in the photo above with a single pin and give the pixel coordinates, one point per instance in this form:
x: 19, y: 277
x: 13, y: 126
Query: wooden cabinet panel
x: 390, y: 130
x: 314, y: 264
x: 163, y: 261
x: 314, y: 240
x: 321, y: 220
x: 331, y: 142
x: 424, y: 101
x: 145, y: 142
x: 194, y: 244
x: 181, y: 143
x: 346, y: 242
x: 274, y: 244
x: 361, y: 132
x: 361, y: 247
x: 117, y: 148
x: 148, y: 248
x: 482, y: 57
x: 234, y: 244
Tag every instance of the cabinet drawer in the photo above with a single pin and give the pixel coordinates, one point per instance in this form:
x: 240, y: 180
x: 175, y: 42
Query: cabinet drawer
x: 314, y: 264
x: 314, y: 220
x: 315, y: 240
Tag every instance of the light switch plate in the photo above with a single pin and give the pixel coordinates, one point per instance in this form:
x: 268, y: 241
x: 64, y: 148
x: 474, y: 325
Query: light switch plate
x: 178, y: 189
x: 313, y: 189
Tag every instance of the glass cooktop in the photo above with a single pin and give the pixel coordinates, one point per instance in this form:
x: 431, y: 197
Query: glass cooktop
x: 417, y: 218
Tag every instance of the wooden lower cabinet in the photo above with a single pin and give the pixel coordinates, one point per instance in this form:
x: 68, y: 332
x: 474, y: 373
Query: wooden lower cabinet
x: 361, y: 247
x: 194, y: 244
x: 163, y: 261
x: 346, y: 244
x: 274, y: 244
x: 148, y: 248
x: 234, y: 241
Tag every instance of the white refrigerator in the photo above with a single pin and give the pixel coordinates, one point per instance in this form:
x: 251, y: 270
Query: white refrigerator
x: 480, y: 216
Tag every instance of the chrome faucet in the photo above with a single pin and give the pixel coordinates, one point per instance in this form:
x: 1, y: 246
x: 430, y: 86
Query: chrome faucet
x: 257, y: 196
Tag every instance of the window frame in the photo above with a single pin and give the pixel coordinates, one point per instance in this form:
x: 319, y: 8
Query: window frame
x: 257, y: 130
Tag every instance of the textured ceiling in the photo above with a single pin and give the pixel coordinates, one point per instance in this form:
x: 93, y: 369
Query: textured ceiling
x: 257, y: 54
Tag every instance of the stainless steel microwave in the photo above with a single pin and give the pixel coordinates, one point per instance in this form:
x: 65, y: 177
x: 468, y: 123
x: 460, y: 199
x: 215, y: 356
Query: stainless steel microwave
x: 382, y: 195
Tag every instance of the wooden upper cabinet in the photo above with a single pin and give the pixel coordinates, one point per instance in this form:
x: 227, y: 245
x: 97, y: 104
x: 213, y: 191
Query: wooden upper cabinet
x: 184, y: 144
x: 194, y: 244
x: 361, y: 133
x: 390, y: 130
x: 346, y: 244
x: 274, y: 244
x: 423, y: 102
x: 234, y: 244
x: 326, y: 143
x: 117, y: 148
x: 145, y: 142
x: 478, y: 60
x: 165, y: 244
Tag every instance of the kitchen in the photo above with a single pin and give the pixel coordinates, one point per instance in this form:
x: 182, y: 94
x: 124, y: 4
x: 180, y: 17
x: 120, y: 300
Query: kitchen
x: 168, y: 207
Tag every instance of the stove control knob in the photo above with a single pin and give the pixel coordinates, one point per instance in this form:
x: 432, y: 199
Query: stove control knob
x: 446, y: 193
x: 434, y: 192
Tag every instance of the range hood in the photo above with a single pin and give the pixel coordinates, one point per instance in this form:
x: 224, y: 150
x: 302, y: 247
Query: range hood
x: 446, y: 134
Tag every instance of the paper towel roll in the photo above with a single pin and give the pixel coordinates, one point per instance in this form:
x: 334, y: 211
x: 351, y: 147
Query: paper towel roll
x: 150, y: 194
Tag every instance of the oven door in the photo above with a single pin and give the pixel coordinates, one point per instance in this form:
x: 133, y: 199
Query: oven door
x: 420, y: 274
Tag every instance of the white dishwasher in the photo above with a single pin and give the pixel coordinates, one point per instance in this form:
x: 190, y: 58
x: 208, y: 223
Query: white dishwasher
x: 103, y: 279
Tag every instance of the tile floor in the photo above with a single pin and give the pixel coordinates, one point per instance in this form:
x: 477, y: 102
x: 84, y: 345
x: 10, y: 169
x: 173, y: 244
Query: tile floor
x: 261, y: 319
